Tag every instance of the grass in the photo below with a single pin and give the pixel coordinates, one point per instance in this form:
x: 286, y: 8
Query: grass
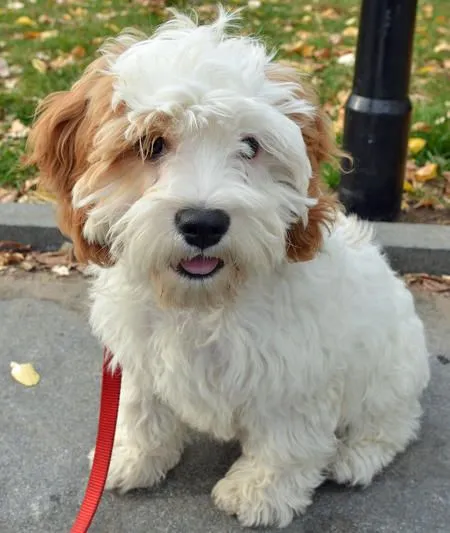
x: 70, y: 32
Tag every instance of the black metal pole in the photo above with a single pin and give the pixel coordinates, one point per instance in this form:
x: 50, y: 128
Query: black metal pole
x: 378, y: 111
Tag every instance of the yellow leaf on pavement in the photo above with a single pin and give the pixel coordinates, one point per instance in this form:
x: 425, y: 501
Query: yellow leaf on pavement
x: 427, y: 172
x: 416, y: 145
x: 25, y: 374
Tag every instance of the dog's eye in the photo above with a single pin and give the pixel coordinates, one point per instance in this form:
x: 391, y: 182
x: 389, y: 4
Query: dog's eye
x: 253, y: 147
x: 151, y: 149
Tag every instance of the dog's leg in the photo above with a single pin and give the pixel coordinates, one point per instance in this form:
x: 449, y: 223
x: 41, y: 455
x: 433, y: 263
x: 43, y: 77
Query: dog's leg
x: 149, y: 440
x: 282, y: 463
x: 369, y: 444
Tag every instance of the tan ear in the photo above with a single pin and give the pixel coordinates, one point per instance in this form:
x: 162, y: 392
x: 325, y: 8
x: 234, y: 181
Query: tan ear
x: 302, y: 243
x: 59, y: 144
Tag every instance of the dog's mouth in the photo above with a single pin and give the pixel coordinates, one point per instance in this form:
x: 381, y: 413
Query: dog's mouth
x: 199, y: 267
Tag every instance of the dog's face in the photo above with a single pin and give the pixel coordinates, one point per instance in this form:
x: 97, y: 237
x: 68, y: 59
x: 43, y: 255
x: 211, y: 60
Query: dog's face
x: 191, y: 157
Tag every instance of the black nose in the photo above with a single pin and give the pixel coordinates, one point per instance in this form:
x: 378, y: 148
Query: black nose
x: 202, y: 227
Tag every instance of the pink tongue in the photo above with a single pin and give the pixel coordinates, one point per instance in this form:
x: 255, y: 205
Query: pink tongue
x: 200, y: 265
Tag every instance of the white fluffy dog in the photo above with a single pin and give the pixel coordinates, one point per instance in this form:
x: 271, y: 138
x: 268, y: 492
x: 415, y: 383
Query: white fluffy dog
x: 235, y: 296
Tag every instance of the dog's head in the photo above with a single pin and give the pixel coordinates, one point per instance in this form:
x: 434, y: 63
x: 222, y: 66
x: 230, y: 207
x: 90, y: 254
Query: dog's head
x: 191, y: 156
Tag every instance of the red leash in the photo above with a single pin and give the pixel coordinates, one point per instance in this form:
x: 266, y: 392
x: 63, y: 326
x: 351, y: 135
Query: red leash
x: 109, y: 407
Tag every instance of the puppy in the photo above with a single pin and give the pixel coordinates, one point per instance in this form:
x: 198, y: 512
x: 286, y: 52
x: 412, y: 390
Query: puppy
x: 237, y: 298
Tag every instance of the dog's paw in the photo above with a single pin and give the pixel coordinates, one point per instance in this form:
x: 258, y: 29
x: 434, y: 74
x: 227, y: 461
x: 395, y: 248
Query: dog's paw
x: 257, y: 500
x: 358, y: 464
x: 132, y: 468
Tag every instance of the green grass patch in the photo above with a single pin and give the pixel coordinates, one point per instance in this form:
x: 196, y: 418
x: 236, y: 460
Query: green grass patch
x: 54, y: 31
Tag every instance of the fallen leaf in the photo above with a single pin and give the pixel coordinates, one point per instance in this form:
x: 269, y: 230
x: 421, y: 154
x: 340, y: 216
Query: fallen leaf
x: 427, y: 172
x: 31, y: 35
x: 11, y: 258
x: 79, y: 12
x: 53, y: 259
x: 404, y: 206
x: 27, y: 266
x: 347, y: 60
x: 24, y: 373
x: 78, y: 52
x: 307, y: 50
x: 8, y: 195
x: 17, y: 130
x: 11, y: 83
x: 430, y: 68
x: 15, y: 5
x: 14, y: 246
x: 25, y: 21
x: 335, y: 38
x: 416, y: 145
x: 45, y: 19
x: 322, y: 53
x: 48, y: 34
x: 292, y: 48
x: 253, y: 4
x: 408, y: 186
x: 442, y: 30
x: 39, y: 65
x: 442, y: 47
x: 61, y: 61
x: 61, y: 270
x: 351, y: 31
x: 4, y: 68
x: 428, y: 10
x: 342, y: 96
x: 427, y: 201
x: 113, y: 27
x: 29, y: 184
x: 421, y: 126
x: 330, y: 14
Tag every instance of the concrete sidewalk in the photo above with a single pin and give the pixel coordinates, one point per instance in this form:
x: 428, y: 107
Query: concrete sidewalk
x: 47, y: 431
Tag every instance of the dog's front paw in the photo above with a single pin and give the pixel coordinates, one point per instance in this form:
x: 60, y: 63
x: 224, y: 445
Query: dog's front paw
x: 258, y: 499
x: 133, y: 468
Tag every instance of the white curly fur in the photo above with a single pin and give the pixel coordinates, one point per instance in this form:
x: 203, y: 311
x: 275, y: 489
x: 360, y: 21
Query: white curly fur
x: 315, y: 367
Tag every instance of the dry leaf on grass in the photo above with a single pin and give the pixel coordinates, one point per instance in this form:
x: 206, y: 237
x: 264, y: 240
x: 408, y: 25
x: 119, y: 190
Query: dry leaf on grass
x: 25, y: 21
x: 347, y: 60
x: 17, y: 130
x: 25, y: 374
x: 421, y: 126
x: 8, y: 195
x: 351, y: 31
x: 416, y: 145
x: 39, y: 65
x: 427, y: 172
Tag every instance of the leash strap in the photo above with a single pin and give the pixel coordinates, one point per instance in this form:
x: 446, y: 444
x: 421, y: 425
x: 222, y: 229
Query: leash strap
x: 109, y: 407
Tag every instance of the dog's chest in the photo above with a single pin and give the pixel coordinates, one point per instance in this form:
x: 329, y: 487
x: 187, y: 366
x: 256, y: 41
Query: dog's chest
x: 195, y: 370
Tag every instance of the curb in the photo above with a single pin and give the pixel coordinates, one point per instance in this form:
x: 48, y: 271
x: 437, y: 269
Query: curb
x: 409, y: 247
x: 33, y: 224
